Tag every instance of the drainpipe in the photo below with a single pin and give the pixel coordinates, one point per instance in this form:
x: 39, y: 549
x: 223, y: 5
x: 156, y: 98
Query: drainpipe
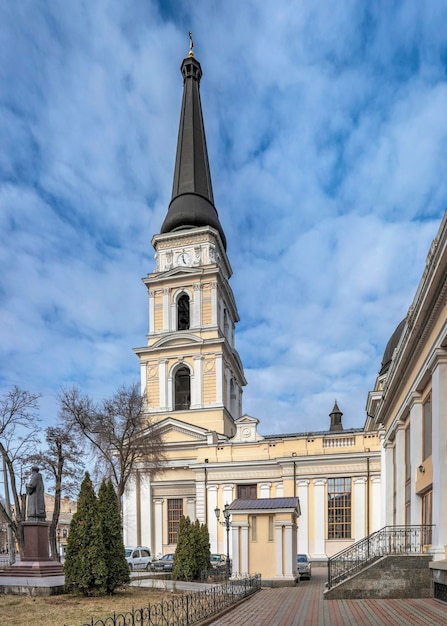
x: 294, y: 475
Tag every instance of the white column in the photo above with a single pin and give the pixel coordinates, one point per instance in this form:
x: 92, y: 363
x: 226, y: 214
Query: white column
x: 415, y: 454
x: 158, y: 534
x: 244, y: 548
x: 200, y: 497
x: 151, y: 311
x: 130, y: 514
x: 214, y: 308
x: 264, y: 490
x: 279, y: 489
x: 191, y: 509
x: 359, y: 504
x: 162, y: 381
x: 439, y: 454
x: 213, y: 523
x: 290, y: 549
x: 400, y: 474
x: 389, y: 486
x: 376, y: 504
x: 278, y: 548
x: 227, y: 494
x: 303, y: 521
x: 196, y: 383
x: 234, y: 544
x: 143, y: 376
x: 196, y: 321
x: 166, y: 310
x: 219, y: 379
x: 320, y: 517
x: 146, y: 510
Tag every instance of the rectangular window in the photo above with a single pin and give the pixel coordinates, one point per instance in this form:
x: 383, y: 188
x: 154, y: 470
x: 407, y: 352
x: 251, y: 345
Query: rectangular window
x: 254, y: 528
x: 426, y: 428
x: 270, y: 528
x: 247, y: 492
x: 175, y: 511
x: 339, y: 508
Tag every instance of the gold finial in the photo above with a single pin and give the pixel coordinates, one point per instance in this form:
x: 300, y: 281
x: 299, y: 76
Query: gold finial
x: 191, y: 45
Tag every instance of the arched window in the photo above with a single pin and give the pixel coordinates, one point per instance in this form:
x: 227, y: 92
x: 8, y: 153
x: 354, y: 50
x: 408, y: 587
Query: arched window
x: 182, y: 389
x: 183, y: 312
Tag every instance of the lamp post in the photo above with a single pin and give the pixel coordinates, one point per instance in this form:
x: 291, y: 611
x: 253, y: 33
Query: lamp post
x: 58, y: 543
x: 226, y: 523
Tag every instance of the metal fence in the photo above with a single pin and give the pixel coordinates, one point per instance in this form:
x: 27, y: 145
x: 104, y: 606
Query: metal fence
x: 186, y: 609
x: 387, y: 540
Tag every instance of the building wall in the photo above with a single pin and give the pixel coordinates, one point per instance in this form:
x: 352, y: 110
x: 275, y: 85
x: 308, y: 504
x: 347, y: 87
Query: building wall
x: 415, y: 487
x: 207, y: 475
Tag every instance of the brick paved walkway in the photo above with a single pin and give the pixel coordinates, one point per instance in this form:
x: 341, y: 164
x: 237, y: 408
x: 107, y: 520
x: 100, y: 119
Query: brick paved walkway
x: 304, y: 605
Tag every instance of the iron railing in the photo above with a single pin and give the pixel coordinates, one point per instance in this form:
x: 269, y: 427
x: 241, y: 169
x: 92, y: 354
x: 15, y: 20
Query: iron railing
x: 387, y: 540
x: 186, y: 609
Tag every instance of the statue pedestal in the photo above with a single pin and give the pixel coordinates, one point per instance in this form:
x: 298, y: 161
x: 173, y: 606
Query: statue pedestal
x: 36, y: 573
x: 36, y: 540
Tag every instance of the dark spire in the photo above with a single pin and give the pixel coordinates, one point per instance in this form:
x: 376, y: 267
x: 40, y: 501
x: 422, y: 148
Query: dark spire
x: 192, y: 202
x: 335, y: 416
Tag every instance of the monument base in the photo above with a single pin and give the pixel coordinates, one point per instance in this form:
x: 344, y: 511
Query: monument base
x: 36, y: 574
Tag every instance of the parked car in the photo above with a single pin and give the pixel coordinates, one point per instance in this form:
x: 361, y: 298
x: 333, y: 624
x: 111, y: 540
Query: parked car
x: 218, y: 560
x: 304, y: 566
x: 163, y: 564
x: 138, y: 557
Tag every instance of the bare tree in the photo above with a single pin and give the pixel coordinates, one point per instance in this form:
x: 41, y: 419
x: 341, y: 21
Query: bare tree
x: 62, y: 462
x: 119, y: 432
x: 19, y: 429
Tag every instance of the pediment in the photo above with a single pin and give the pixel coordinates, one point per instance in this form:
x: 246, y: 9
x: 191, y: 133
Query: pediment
x: 246, y: 419
x: 178, y: 339
x: 175, y: 431
x: 182, y: 271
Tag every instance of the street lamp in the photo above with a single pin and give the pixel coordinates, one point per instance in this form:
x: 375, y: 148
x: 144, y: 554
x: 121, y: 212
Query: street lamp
x: 58, y: 543
x: 226, y: 523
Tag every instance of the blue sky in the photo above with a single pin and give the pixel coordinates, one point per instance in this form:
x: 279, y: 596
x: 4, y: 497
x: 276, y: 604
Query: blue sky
x: 327, y: 138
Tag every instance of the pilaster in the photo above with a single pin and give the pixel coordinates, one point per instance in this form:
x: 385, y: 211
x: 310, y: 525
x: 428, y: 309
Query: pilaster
x: 399, y: 505
x: 389, y: 485
x: 415, y: 454
x: 320, y: 514
x: 360, y: 508
x: 303, y: 522
x: 158, y: 531
x: 439, y: 453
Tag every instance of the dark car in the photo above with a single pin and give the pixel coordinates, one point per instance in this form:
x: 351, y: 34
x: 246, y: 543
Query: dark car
x: 304, y: 566
x: 163, y: 564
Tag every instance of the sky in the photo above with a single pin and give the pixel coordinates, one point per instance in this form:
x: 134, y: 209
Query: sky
x: 326, y: 129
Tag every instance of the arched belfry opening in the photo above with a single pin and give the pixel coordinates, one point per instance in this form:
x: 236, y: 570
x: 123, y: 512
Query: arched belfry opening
x: 183, y: 312
x: 182, y: 389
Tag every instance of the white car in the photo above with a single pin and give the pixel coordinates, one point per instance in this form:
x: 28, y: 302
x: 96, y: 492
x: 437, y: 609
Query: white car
x: 304, y: 566
x: 138, y: 557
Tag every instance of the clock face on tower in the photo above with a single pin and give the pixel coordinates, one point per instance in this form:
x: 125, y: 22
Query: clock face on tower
x: 183, y: 259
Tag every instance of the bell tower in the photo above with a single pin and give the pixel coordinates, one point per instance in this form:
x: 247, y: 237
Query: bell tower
x: 190, y: 369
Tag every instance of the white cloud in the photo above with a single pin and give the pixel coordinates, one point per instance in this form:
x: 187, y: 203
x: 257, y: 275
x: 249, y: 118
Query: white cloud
x: 327, y: 139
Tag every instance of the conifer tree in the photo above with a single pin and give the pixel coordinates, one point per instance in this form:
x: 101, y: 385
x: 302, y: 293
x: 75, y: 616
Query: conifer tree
x: 184, y: 568
x: 85, y: 563
x: 109, y: 514
x: 192, y: 555
x: 203, y: 547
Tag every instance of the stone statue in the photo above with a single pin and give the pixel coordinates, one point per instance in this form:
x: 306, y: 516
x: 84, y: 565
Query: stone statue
x: 36, y: 498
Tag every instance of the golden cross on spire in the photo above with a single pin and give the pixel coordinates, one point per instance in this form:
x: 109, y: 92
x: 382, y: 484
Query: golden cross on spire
x: 191, y: 45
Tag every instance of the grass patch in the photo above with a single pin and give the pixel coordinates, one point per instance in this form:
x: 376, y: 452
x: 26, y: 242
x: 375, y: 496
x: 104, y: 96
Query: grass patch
x: 73, y: 610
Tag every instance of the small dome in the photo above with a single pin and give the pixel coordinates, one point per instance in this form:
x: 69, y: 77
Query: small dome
x: 390, y: 347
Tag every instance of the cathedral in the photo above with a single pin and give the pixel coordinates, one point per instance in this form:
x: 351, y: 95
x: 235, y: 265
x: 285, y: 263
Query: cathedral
x: 314, y: 492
